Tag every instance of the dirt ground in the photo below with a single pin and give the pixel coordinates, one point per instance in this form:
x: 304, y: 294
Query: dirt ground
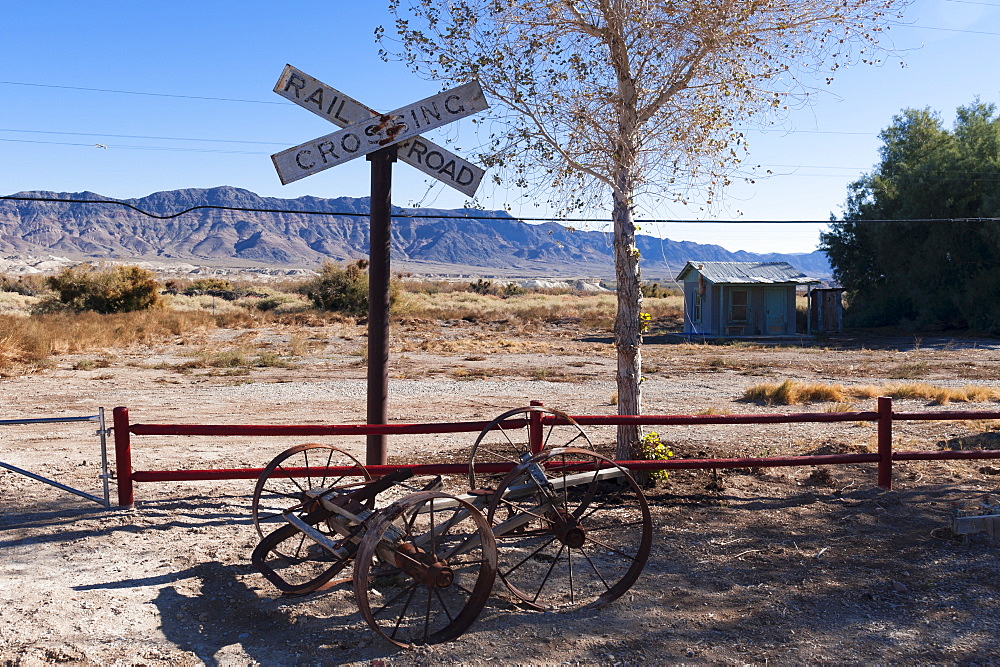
x: 752, y: 566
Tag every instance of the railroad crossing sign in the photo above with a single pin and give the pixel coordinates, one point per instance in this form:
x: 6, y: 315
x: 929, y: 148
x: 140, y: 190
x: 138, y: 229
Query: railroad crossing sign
x: 366, y: 131
x: 383, y: 138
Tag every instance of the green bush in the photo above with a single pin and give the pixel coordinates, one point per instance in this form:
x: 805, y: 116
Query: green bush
x: 655, y: 449
x: 344, y: 290
x: 655, y: 291
x: 483, y: 287
x: 490, y: 288
x: 118, y: 289
x: 513, y: 289
x: 209, y: 284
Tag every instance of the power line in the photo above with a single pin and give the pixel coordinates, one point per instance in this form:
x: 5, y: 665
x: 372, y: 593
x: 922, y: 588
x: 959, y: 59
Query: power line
x: 135, y: 92
x: 141, y: 136
x: 437, y: 216
x: 279, y: 143
x: 273, y: 143
x: 133, y: 148
x: 970, y: 32
x: 972, y: 2
x: 786, y: 131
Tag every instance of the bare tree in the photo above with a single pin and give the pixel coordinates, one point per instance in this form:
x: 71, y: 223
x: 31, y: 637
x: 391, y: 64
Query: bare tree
x: 631, y: 98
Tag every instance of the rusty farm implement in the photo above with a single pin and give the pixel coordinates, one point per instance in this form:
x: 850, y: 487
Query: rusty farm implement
x: 562, y: 526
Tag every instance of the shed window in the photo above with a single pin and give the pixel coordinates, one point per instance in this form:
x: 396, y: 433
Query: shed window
x: 738, y: 302
x: 696, y: 307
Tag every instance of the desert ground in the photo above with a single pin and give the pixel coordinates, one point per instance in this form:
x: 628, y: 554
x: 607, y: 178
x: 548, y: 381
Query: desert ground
x: 748, y: 566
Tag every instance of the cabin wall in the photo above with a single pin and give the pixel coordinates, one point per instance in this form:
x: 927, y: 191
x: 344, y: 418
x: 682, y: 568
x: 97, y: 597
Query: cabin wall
x: 705, y: 321
x: 738, y: 309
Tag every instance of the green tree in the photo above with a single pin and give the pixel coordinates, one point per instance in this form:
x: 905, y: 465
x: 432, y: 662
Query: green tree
x: 916, y: 246
x: 614, y: 101
x: 118, y: 289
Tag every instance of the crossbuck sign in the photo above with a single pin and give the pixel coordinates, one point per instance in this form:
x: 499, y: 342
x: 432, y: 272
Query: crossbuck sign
x: 366, y: 131
x: 384, y: 138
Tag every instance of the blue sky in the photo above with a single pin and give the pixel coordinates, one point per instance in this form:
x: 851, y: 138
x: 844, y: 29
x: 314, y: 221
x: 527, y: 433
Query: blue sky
x: 60, y: 60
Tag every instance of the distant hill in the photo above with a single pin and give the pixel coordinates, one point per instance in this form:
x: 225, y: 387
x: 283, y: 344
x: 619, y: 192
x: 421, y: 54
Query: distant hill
x: 500, y: 246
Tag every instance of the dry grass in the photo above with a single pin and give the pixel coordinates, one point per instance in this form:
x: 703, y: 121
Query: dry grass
x: 478, y: 343
x: 841, y: 406
x: 471, y: 373
x: 593, y: 310
x: 27, y: 343
x: 239, y: 358
x: 909, y: 370
x: 714, y: 411
x: 12, y: 303
x: 791, y: 392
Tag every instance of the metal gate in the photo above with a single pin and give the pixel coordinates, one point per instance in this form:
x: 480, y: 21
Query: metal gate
x: 102, y: 433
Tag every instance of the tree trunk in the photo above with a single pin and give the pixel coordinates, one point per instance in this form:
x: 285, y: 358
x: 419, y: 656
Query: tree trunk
x: 628, y: 335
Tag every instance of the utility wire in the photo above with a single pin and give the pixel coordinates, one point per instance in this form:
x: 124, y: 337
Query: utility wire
x: 134, y: 92
x: 279, y: 143
x: 852, y: 170
x: 134, y: 148
x: 972, y: 2
x: 142, y: 136
x: 970, y: 32
x: 436, y: 216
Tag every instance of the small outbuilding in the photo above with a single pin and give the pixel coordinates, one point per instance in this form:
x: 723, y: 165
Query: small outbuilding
x: 727, y: 299
x: 826, y: 309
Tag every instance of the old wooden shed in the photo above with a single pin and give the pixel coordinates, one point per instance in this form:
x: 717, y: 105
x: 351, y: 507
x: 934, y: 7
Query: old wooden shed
x: 826, y: 309
x: 741, y: 298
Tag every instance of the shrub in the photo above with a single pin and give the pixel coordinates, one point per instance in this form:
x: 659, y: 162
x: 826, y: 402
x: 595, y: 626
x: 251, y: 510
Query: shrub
x: 655, y: 291
x: 344, y: 290
x: 491, y: 288
x: 513, y: 289
x: 483, y: 287
x: 655, y: 449
x: 119, y: 289
x: 209, y: 284
x: 31, y: 285
x: 791, y: 392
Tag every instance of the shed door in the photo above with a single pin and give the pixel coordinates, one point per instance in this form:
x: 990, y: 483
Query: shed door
x: 775, y: 314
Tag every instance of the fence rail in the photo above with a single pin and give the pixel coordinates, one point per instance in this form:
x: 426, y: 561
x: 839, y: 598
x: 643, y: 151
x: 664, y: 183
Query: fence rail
x: 883, y: 457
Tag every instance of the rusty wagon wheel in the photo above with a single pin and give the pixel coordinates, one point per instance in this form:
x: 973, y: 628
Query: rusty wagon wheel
x: 425, y: 569
x: 300, y: 559
x: 573, y: 529
x: 278, y: 491
x: 510, y: 445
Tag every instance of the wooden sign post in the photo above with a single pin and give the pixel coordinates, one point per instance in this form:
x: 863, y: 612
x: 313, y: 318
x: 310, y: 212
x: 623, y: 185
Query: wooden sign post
x: 381, y: 137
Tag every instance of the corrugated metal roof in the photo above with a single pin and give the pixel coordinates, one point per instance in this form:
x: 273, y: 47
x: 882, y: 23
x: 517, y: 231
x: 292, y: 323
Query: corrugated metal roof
x: 748, y: 273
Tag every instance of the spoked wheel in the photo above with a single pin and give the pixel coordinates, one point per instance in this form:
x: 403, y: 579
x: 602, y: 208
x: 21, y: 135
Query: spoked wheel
x: 298, y: 563
x: 294, y: 482
x: 573, y: 529
x: 425, y: 569
x: 500, y: 443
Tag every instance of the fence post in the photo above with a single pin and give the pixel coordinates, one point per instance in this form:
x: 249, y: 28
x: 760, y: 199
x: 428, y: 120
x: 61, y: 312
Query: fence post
x: 123, y: 458
x: 885, y: 442
x: 535, y: 440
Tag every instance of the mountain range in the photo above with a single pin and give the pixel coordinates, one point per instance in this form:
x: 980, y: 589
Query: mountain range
x: 310, y: 230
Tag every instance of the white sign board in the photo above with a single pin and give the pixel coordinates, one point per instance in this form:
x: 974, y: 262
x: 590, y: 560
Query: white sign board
x: 378, y: 132
x: 323, y: 100
x: 341, y: 110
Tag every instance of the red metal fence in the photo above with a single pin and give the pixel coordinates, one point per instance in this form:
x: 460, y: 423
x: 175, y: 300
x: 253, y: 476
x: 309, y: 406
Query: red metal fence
x: 884, y: 457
